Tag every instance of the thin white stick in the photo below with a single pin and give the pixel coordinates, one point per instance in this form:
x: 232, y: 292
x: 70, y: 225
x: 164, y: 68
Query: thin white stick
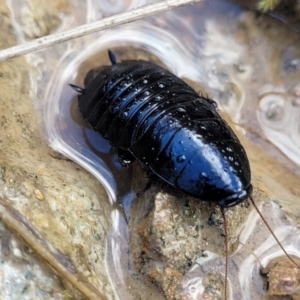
x: 82, y: 30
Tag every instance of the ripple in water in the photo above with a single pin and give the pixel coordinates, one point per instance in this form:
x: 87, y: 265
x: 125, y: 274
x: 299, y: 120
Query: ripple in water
x: 279, y: 120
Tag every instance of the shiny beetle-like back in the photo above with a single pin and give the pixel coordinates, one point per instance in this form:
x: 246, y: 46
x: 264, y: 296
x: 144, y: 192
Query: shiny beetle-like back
x: 162, y: 122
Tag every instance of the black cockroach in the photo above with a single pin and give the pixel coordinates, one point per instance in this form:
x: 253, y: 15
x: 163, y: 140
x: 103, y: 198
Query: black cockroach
x: 161, y: 121
x: 153, y: 116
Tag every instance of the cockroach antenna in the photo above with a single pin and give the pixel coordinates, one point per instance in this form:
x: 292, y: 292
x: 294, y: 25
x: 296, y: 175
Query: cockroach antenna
x: 273, y: 234
x: 226, y: 241
x: 226, y: 250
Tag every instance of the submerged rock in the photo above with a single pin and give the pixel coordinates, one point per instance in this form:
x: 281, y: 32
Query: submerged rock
x: 170, y: 231
x: 283, y: 276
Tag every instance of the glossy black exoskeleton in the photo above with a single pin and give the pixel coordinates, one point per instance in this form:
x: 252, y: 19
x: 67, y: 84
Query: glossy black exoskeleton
x: 159, y: 120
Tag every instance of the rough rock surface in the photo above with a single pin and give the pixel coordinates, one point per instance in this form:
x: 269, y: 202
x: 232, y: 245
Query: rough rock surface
x: 61, y: 200
x: 283, y: 277
x: 170, y: 231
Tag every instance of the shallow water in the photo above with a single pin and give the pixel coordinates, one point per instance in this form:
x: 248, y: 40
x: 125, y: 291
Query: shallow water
x: 249, y: 64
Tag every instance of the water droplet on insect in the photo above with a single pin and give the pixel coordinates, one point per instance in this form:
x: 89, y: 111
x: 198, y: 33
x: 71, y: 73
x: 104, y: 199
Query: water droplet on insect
x: 146, y: 93
x: 114, y: 109
x: 180, y: 142
x: 180, y: 109
x: 230, y: 158
x: 204, y: 175
x: 228, y: 149
x: 124, y: 115
x: 161, y: 85
x: 180, y: 158
x: 158, y: 98
x: 145, y: 81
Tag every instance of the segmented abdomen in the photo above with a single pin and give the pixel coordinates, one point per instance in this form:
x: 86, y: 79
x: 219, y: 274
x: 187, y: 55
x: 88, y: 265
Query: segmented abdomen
x: 165, y: 124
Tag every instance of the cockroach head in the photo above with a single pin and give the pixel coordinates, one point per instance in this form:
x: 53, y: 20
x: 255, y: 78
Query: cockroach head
x: 236, y: 198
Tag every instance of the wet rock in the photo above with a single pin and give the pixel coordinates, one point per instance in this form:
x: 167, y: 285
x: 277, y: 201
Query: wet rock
x: 57, y: 155
x: 168, y: 240
x: 170, y: 231
x: 23, y: 273
x: 212, y: 288
x: 167, y: 278
x: 41, y: 18
x: 73, y: 218
x: 283, y: 276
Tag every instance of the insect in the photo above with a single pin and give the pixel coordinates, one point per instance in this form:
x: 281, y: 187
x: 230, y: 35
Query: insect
x: 156, y: 118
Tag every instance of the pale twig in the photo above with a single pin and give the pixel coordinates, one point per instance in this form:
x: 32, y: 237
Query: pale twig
x: 82, y: 30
